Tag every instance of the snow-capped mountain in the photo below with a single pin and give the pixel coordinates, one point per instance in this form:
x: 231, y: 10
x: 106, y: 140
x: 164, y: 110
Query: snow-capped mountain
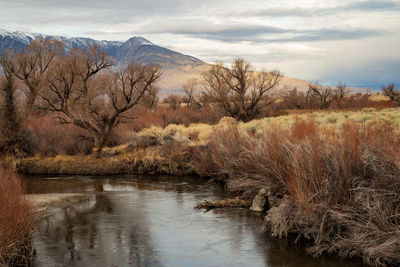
x: 176, y: 66
x: 19, y: 40
x: 136, y: 48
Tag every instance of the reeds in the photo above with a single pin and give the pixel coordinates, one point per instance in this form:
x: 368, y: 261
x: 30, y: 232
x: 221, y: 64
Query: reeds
x: 340, y: 188
x: 16, y: 222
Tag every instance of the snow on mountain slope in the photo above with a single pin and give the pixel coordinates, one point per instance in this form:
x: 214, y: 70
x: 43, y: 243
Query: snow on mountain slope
x: 177, y: 67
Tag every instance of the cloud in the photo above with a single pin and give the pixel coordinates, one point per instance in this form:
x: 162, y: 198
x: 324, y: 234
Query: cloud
x: 254, y: 32
x: 328, y: 35
x: 359, y: 6
x: 372, y: 6
x: 228, y: 32
x: 266, y: 32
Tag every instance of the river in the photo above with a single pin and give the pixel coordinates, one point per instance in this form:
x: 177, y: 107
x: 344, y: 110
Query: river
x: 143, y: 221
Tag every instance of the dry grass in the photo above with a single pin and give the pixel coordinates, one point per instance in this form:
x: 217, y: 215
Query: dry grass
x: 15, y: 222
x: 340, y: 186
x: 337, y: 173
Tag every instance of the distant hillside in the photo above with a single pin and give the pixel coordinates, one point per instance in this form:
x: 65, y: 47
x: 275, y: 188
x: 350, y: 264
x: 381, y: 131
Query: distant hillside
x: 177, y: 67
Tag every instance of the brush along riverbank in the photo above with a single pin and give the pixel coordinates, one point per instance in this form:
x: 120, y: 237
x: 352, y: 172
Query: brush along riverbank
x: 331, y: 179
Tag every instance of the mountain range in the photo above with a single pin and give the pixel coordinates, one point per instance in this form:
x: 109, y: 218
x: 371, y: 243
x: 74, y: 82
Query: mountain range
x: 177, y: 67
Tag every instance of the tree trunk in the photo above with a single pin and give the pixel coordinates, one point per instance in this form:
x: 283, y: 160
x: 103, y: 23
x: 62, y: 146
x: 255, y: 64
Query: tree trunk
x: 100, y: 139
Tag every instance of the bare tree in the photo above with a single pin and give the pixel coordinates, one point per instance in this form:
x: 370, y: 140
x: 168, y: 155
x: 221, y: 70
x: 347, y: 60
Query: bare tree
x: 238, y: 90
x: 341, y: 90
x: 83, y: 90
x: 151, y: 98
x: 294, y: 99
x: 192, y: 93
x: 319, y: 96
x: 391, y: 92
x: 174, y: 101
x: 13, y: 138
x: 31, y: 66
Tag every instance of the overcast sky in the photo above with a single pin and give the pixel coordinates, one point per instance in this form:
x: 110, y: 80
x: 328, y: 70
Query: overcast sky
x: 352, y: 41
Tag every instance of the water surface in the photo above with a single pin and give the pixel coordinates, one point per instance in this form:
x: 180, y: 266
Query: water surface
x: 139, y: 221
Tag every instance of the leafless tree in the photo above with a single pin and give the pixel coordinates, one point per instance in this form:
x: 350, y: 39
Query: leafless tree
x: 174, y: 101
x: 319, y: 96
x: 193, y: 96
x: 13, y: 138
x: 238, y: 90
x: 341, y: 90
x: 150, y: 99
x: 31, y: 66
x: 294, y: 99
x: 83, y: 90
x: 391, y: 92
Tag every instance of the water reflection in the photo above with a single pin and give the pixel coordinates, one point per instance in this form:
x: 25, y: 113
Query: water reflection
x: 136, y: 221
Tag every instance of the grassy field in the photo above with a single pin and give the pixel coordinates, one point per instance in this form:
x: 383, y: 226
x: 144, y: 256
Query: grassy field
x: 199, y: 134
x: 142, y: 151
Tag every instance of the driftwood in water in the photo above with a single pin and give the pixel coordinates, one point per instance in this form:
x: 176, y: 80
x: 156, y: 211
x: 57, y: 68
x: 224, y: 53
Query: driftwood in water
x: 225, y: 203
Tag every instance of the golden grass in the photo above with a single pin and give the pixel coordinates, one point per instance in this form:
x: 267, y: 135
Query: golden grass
x: 134, y: 157
x: 379, y: 97
x: 181, y: 133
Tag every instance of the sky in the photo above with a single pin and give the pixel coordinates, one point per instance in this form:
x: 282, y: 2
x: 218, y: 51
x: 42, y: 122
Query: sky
x: 331, y: 41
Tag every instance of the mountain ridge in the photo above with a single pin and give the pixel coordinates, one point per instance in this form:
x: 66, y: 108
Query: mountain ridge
x: 177, y: 67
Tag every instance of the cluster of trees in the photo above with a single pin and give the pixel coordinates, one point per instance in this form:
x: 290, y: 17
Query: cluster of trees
x: 237, y: 90
x: 80, y: 87
x: 87, y: 89
x: 245, y: 94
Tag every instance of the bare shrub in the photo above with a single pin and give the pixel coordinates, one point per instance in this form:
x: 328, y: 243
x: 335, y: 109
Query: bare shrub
x: 15, y: 221
x: 50, y: 138
x: 340, y: 187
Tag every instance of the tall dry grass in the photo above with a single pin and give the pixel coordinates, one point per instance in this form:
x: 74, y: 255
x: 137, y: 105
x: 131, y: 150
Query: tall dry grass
x: 15, y: 221
x: 340, y: 188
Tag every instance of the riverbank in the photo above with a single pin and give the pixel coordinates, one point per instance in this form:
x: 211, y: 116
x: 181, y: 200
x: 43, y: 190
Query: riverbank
x: 329, y: 179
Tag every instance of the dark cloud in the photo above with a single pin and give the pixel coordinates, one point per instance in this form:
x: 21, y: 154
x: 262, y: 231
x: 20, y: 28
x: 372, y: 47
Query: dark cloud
x: 359, y: 6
